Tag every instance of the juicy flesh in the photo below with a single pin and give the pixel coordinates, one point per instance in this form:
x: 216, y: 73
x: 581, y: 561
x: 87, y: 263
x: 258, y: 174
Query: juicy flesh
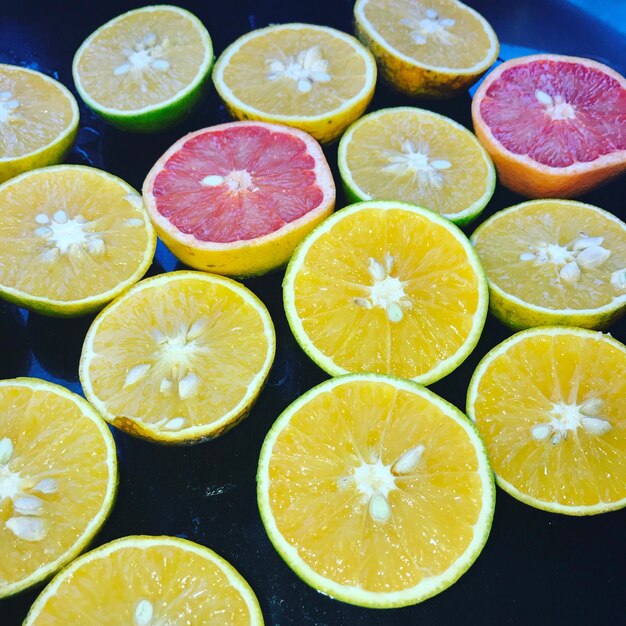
x: 438, y: 33
x: 418, y: 159
x: 144, y: 59
x: 174, y: 586
x: 520, y: 390
x: 255, y: 76
x: 321, y: 497
x: 52, y: 440
x: 237, y: 184
x: 439, y: 301
x: 178, y: 355
x: 33, y: 112
x: 556, y: 112
x: 58, y: 227
x: 510, y: 250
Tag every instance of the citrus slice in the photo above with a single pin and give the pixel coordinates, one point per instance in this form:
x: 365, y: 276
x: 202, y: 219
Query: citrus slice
x: 554, y: 262
x: 72, y: 238
x: 148, y: 580
x: 58, y: 478
x: 417, y: 156
x: 178, y: 358
x: 375, y: 491
x: 237, y: 198
x: 315, y: 78
x: 549, y: 403
x: 435, y: 48
x: 386, y: 287
x: 552, y: 124
x: 145, y: 69
x: 38, y: 120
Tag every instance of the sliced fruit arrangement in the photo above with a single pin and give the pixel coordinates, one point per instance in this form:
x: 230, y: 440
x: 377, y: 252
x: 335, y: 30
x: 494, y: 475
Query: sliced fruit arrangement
x: 575, y: 254
x: 420, y: 157
x: 72, y: 238
x: 375, y: 491
x: 386, y: 287
x: 315, y: 78
x: 179, y: 358
x: 146, y: 581
x: 58, y: 478
x: 237, y: 198
x: 38, y: 120
x: 552, y: 124
x: 549, y: 403
x: 146, y: 69
x: 428, y: 49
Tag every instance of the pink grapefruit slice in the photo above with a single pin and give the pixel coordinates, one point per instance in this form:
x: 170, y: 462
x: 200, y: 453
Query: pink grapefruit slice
x: 553, y: 125
x: 236, y: 199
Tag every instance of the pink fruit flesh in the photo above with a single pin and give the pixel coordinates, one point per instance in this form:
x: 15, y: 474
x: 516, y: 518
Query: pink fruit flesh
x: 255, y: 182
x: 584, y: 117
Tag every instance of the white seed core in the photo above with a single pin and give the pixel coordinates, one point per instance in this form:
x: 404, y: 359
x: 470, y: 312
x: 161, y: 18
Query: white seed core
x: 67, y: 235
x: 27, y: 528
x: 428, y: 24
x: 143, y: 613
x: 212, y: 181
x: 8, y: 106
x: 6, y: 450
x: 555, y: 106
x: 414, y: 158
x: 305, y: 69
x: 143, y: 58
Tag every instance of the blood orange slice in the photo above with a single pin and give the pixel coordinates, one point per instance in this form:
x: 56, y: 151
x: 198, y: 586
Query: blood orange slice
x: 553, y: 125
x: 236, y: 199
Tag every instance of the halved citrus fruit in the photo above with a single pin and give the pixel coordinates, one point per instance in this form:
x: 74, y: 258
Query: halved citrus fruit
x: 237, y: 198
x: 554, y: 262
x: 179, y: 358
x: 375, y: 491
x: 552, y: 124
x: 146, y: 581
x: 145, y: 69
x: 386, y: 287
x: 58, y: 479
x: 72, y: 239
x: 315, y: 78
x: 420, y: 157
x: 433, y: 49
x: 38, y: 120
x: 549, y: 403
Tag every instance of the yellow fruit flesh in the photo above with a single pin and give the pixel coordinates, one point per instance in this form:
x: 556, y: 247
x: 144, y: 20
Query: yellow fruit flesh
x: 438, y: 282
x: 247, y: 73
x: 46, y: 254
x: 385, y: 156
x: 179, y: 585
x: 556, y: 224
x: 143, y: 42
x: 52, y: 439
x: 319, y: 507
x: 39, y: 112
x: 520, y: 389
x: 404, y: 23
x: 154, y: 328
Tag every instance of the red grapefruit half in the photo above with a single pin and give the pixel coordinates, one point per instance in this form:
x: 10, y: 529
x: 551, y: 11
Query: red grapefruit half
x: 555, y: 126
x: 236, y: 199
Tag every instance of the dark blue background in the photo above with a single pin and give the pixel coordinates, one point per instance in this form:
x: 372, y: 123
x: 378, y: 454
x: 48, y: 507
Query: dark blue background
x: 536, y: 568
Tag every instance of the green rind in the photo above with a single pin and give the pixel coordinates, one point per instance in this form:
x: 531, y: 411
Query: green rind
x: 326, y: 363
x: 356, y: 595
x: 156, y: 117
x: 472, y: 393
x: 94, y: 526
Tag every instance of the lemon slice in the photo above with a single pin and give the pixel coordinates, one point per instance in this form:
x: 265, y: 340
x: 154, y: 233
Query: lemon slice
x: 375, y: 491
x: 71, y: 239
x: 315, y: 78
x: 178, y: 358
x: 145, y: 69
x: 386, y: 287
x: 58, y: 479
x: 554, y: 262
x: 549, y: 403
x: 417, y: 156
x: 143, y: 581
x: 435, y: 48
x: 38, y: 120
